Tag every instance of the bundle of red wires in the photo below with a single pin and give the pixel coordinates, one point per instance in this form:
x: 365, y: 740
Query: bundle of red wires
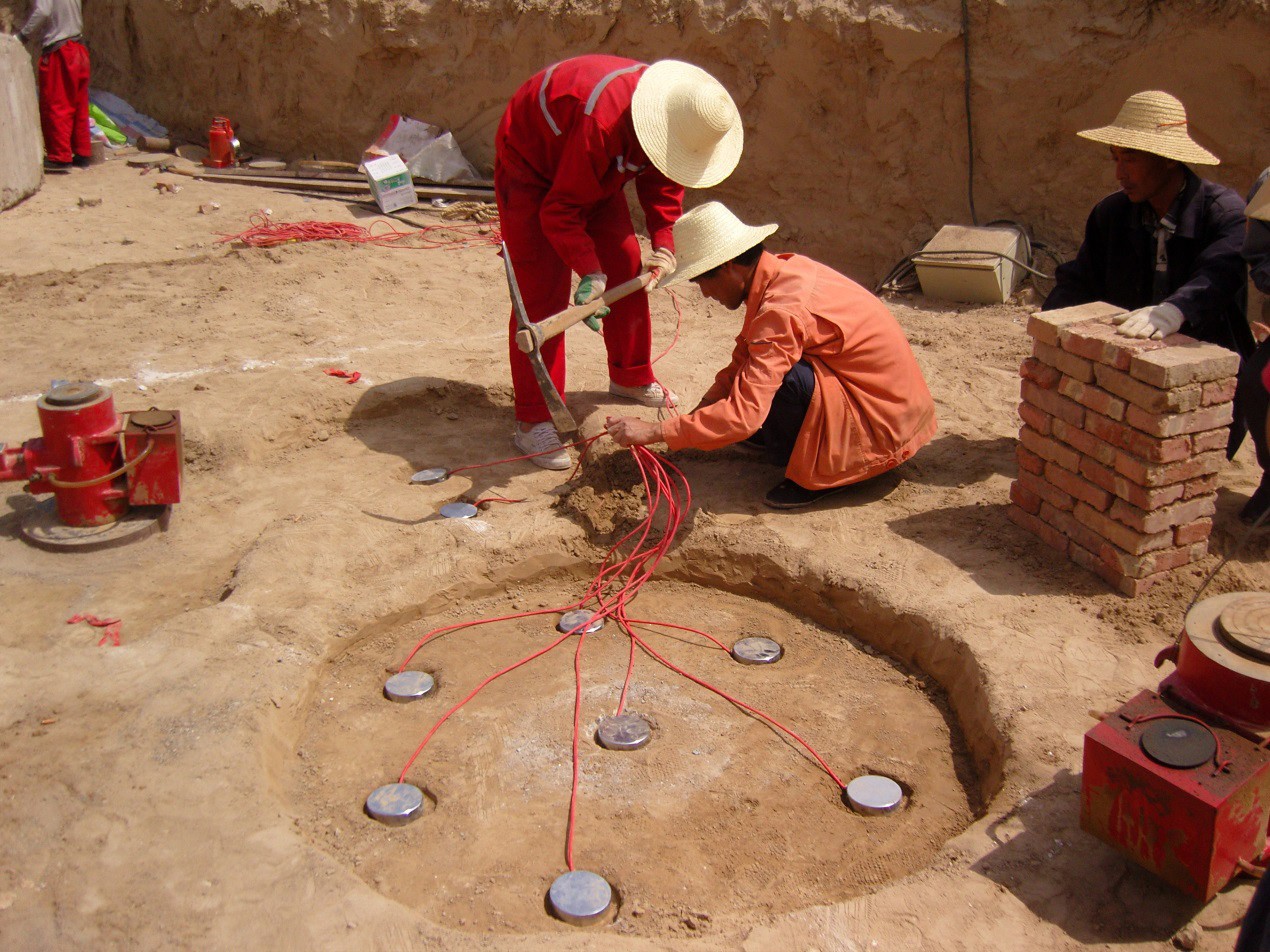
x: 267, y: 233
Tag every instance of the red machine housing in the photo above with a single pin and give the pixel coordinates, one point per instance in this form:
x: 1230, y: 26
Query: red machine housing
x: 1195, y: 820
x: 95, y: 462
x: 222, y: 146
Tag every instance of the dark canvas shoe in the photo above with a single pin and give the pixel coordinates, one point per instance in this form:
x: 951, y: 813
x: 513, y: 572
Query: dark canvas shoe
x: 82, y: 161
x: 56, y: 168
x: 787, y: 494
x: 1256, y: 505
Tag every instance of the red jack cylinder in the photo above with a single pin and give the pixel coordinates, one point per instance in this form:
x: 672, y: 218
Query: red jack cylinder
x: 95, y: 462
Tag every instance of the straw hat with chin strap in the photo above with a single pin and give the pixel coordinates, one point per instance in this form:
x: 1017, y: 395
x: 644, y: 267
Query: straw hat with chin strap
x: 1153, y: 122
x: 1259, y: 207
x: 687, y: 124
x: 708, y: 236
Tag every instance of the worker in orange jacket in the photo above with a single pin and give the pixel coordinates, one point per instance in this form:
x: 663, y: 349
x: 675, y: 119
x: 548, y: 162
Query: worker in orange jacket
x: 570, y: 139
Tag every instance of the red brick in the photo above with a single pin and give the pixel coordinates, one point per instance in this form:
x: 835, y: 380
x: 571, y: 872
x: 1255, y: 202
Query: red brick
x: 1094, y: 398
x: 1025, y: 500
x: 1177, y: 424
x: 1047, y: 534
x: 1197, y: 531
x: 1043, y: 375
x: 1154, y: 498
x: 1210, y: 440
x: 1165, y: 474
x: 1165, y: 560
x: 1100, y: 341
x: 1219, y: 391
x: 1098, y: 474
x: 1199, y: 486
x: 1159, y: 520
x: 1145, y: 396
x: 1184, y: 361
x: 1037, y: 419
x: 1052, y: 403
x: 1117, y: 533
x: 1043, y: 489
x: 1131, y: 587
x: 1029, y: 462
x: 1049, y: 449
x: 1073, y: 366
x: 1089, y: 445
x: 1134, y: 441
x: 1081, y: 489
x: 1045, y: 325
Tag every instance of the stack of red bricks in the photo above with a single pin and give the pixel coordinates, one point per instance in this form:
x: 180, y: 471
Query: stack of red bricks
x: 1121, y: 444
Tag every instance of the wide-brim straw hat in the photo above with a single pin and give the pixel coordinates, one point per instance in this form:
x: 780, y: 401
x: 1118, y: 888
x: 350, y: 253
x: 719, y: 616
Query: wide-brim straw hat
x: 1259, y: 207
x: 1154, y: 122
x: 708, y: 236
x: 687, y: 124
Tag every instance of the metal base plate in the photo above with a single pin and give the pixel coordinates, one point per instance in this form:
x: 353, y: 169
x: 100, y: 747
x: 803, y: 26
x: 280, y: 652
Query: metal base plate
x: 576, y: 619
x: 405, y: 686
x: 624, y: 732
x: 458, y: 510
x: 41, y: 527
x: 757, y: 651
x: 872, y: 794
x: 426, y: 477
x: 395, y: 804
x: 1245, y: 623
x: 1178, y: 743
x: 580, y: 898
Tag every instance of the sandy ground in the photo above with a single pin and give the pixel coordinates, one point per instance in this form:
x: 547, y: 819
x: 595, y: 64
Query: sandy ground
x: 201, y: 785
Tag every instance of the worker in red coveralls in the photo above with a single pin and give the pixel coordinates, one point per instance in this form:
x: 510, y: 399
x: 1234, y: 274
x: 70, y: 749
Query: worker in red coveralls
x: 570, y: 139
x: 58, y: 25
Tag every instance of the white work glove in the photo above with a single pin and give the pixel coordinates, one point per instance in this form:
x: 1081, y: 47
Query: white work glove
x: 589, y: 288
x: 662, y: 259
x: 1159, y: 320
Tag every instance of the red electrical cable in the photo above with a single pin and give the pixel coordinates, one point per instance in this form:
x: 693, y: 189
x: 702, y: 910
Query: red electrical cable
x: 267, y: 233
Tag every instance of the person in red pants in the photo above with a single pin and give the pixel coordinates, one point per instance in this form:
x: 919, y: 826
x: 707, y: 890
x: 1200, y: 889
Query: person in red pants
x: 64, y: 71
x: 570, y: 139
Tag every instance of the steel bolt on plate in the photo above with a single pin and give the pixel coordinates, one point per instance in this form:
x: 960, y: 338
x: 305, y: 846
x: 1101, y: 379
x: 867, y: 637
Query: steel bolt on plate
x: 757, y: 651
x: 580, y: 897
x: 624, y: 732
x: 408, y: 686
x: 426, y: 477
x: 872, y: 794
x: 458, y: 510
x: 576, y: 619
x: 395, y: 804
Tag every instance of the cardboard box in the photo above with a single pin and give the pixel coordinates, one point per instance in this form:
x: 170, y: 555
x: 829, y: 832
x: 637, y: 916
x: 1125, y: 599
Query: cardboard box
x: 968, y: 264
x: 390, y: 183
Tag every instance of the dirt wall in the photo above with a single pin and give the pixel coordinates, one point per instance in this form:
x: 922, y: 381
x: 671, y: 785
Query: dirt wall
x: 854, y: 112
x: 20, y: 142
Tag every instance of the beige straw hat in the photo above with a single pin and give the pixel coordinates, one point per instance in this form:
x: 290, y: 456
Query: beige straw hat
x: 1153, y: 122
x: 708, y: 236
x: 1258, y: 208
x: 687, y: 124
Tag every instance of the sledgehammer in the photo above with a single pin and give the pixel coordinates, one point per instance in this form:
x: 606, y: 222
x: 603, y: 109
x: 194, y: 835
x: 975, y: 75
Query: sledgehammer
x: 530, y: 337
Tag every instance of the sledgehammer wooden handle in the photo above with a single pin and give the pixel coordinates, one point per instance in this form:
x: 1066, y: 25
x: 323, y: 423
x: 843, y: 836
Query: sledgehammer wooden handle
x: 530, y: 339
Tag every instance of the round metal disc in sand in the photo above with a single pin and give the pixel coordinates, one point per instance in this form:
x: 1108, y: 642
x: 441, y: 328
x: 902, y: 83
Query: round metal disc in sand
x: 757, y: 651
x: 624, y: 732
x: 41, y: 527
x: 873, y: 794
x: 1245, y: 625
x: 72, y: 394
x: 579, y: 897
x: 1178, y: 743
x: 267, y: 165
x: 458, y: 510
x: 576, y: 619
x: 395, y: 804
x: 426, y: 477
x: 407, y: 686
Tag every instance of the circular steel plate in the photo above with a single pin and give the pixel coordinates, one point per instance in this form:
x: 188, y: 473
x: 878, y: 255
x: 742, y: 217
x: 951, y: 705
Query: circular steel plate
x: 757, y: 651
x: 576, y: 619
x: 874, y: 794
x: 1245, y: 625
x: 395, y: 804
x: 580, y: 897
x: 624, y: 732
x: 72, y: 394
x: 408, y: 686
x: 41, y: 527
x: 426, y: 477
x: 1178, y: 743
x: 458, y: 510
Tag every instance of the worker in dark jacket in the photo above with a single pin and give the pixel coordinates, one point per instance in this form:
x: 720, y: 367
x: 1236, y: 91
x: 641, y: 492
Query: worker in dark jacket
x: 1253, y: 397
x: 1166, y: 246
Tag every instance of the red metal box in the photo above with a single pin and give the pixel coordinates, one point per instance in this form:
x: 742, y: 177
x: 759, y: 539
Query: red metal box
x: 156, y: 480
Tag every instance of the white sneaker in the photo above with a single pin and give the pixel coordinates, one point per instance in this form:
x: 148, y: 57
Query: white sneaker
x: 542, y: 442
x: 650, y: 395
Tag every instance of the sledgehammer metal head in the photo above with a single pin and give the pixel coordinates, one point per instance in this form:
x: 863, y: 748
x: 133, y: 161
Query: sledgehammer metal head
x: 561, y: 418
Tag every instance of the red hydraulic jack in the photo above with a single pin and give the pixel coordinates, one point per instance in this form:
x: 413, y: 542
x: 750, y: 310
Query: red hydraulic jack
x: 222, y: 145
x: 113, y: 476
x: 1178, y: 779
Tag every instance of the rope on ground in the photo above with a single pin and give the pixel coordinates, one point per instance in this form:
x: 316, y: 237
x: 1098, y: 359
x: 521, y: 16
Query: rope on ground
x: 471, y: 211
